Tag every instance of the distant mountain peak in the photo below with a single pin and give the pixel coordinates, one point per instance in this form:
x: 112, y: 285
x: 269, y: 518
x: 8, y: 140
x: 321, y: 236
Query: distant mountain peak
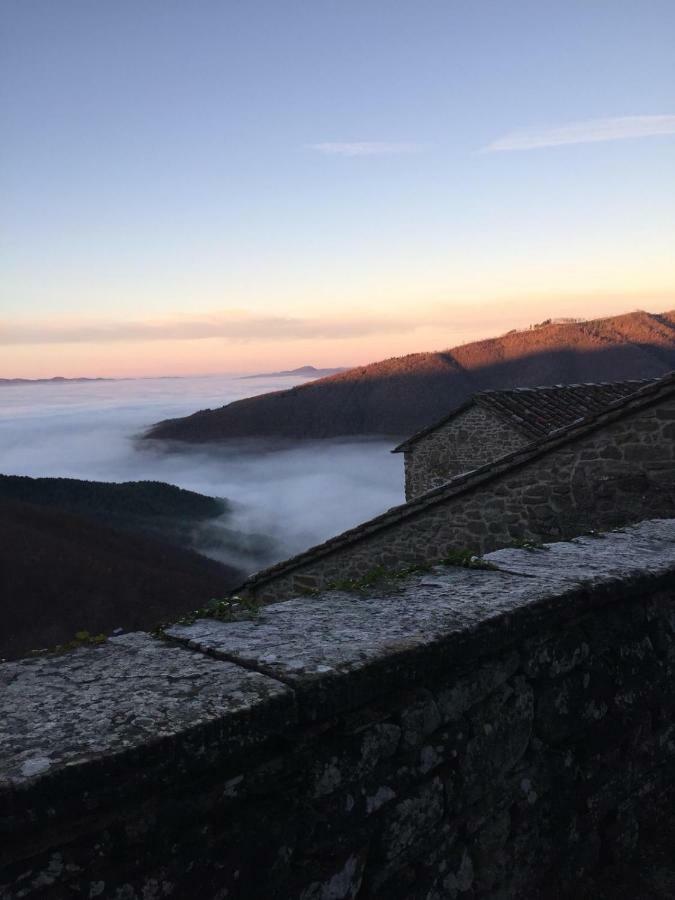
x: 302, y: 371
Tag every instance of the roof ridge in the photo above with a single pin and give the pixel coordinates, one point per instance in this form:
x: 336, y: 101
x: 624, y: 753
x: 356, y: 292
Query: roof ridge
x: 559, y: 387
x: 579, y: 428
x: 536, y: 429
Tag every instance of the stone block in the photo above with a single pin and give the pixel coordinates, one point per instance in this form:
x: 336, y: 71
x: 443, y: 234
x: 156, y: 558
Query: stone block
x: 551, y: 656
x: 412, y: 819
x: 343, y: 883
x: 419, y: 719
x: 349, y: 758
x: 569, y: 705
x: 501, y: 729
x: 467, y: 690
x: 490, y: 858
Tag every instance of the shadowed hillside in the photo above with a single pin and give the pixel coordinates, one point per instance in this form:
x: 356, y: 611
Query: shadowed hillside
x: 152, y: 508
x: 60, y: 574
x: 401, y: 395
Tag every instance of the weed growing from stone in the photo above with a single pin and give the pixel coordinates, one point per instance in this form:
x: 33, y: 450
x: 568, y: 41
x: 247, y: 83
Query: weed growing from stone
x: 359, y: 584
x: 466, y: 560
x: 382, y: 576
x: 81, y: 639
x: 376, y: 576
x: 528, y: 544
x: 230, y: 609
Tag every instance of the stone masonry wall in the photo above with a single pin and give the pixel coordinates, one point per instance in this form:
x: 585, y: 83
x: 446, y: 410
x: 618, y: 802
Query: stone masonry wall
x: 471, y: 439
x: 481, y: 735
x: 620, y: 473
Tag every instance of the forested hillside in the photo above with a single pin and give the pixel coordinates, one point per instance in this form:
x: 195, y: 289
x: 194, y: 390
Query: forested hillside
x: 149, y: 507
x: 61, y: 573
x: 401, y: 395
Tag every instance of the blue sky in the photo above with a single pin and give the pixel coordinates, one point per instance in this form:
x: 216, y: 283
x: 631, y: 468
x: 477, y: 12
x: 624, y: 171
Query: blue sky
x: 258, y: 166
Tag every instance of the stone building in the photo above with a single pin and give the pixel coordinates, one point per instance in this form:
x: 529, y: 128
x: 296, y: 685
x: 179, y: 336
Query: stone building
x: 603, y: 471
x: 494, y: 423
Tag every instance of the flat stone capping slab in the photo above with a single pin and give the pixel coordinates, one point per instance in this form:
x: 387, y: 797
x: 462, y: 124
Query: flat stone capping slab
x: 59, y: 714
x: 338, y: 650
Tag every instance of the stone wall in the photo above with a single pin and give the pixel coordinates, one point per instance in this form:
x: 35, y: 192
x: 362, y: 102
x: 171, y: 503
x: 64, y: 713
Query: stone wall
x: 474, y: 734
x: 619, y: 473
x: 470, y: 439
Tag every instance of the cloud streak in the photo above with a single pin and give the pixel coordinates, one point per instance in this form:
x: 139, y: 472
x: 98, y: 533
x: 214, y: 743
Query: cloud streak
x: 366, y: 148
x: 231, y: 327
x: 588, y: 132
x: 453, y: 320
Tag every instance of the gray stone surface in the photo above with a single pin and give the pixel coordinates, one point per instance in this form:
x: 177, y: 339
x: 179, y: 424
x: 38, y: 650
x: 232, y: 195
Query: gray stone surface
x: 473, y: 438
x: 311, y: 642
x: 616, y: 554
x: 58, y: 712
x: 500, y: 732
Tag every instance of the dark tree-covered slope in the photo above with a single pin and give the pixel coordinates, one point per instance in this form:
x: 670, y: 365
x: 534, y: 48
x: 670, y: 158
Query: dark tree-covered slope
x: 145, y: 499
x: 60, y: 573
x: 401, y: 395
x: 147, y: 507
x: 152, y: 509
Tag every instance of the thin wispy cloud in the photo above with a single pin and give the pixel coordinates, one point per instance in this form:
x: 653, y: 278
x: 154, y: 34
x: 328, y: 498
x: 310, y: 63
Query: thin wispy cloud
x: 588, y: 132
x: 233, y: 327
x: 366, y: 148
x: 453, y: 320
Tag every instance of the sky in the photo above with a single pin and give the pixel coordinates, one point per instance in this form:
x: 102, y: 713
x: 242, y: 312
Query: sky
x: 195, y: 187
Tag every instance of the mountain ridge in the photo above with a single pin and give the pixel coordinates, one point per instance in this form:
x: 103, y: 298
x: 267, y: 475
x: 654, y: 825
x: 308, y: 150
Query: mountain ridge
x: 57, y: 379
x: 401, y: 395
x: 301, y: 372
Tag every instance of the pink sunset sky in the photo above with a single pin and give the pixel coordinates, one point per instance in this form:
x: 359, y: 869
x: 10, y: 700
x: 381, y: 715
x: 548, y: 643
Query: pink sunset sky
x: 225, y: 187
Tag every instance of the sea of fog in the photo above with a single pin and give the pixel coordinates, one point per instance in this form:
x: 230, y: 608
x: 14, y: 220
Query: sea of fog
x: 298, y: 494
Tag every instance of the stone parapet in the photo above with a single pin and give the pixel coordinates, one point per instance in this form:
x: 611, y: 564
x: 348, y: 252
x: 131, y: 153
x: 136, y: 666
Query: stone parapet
x: 470, y: 733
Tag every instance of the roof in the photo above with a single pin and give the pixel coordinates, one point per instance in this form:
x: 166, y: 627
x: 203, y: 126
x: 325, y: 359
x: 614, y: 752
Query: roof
x: 539, y: 411
x: 653, y: 392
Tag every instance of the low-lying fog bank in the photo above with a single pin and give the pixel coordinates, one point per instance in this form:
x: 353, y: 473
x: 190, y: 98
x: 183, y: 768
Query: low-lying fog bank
x: 294, y: 494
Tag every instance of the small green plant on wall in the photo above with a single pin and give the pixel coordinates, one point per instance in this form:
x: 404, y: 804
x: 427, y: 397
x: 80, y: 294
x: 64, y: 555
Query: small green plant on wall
x: 466, y: 559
